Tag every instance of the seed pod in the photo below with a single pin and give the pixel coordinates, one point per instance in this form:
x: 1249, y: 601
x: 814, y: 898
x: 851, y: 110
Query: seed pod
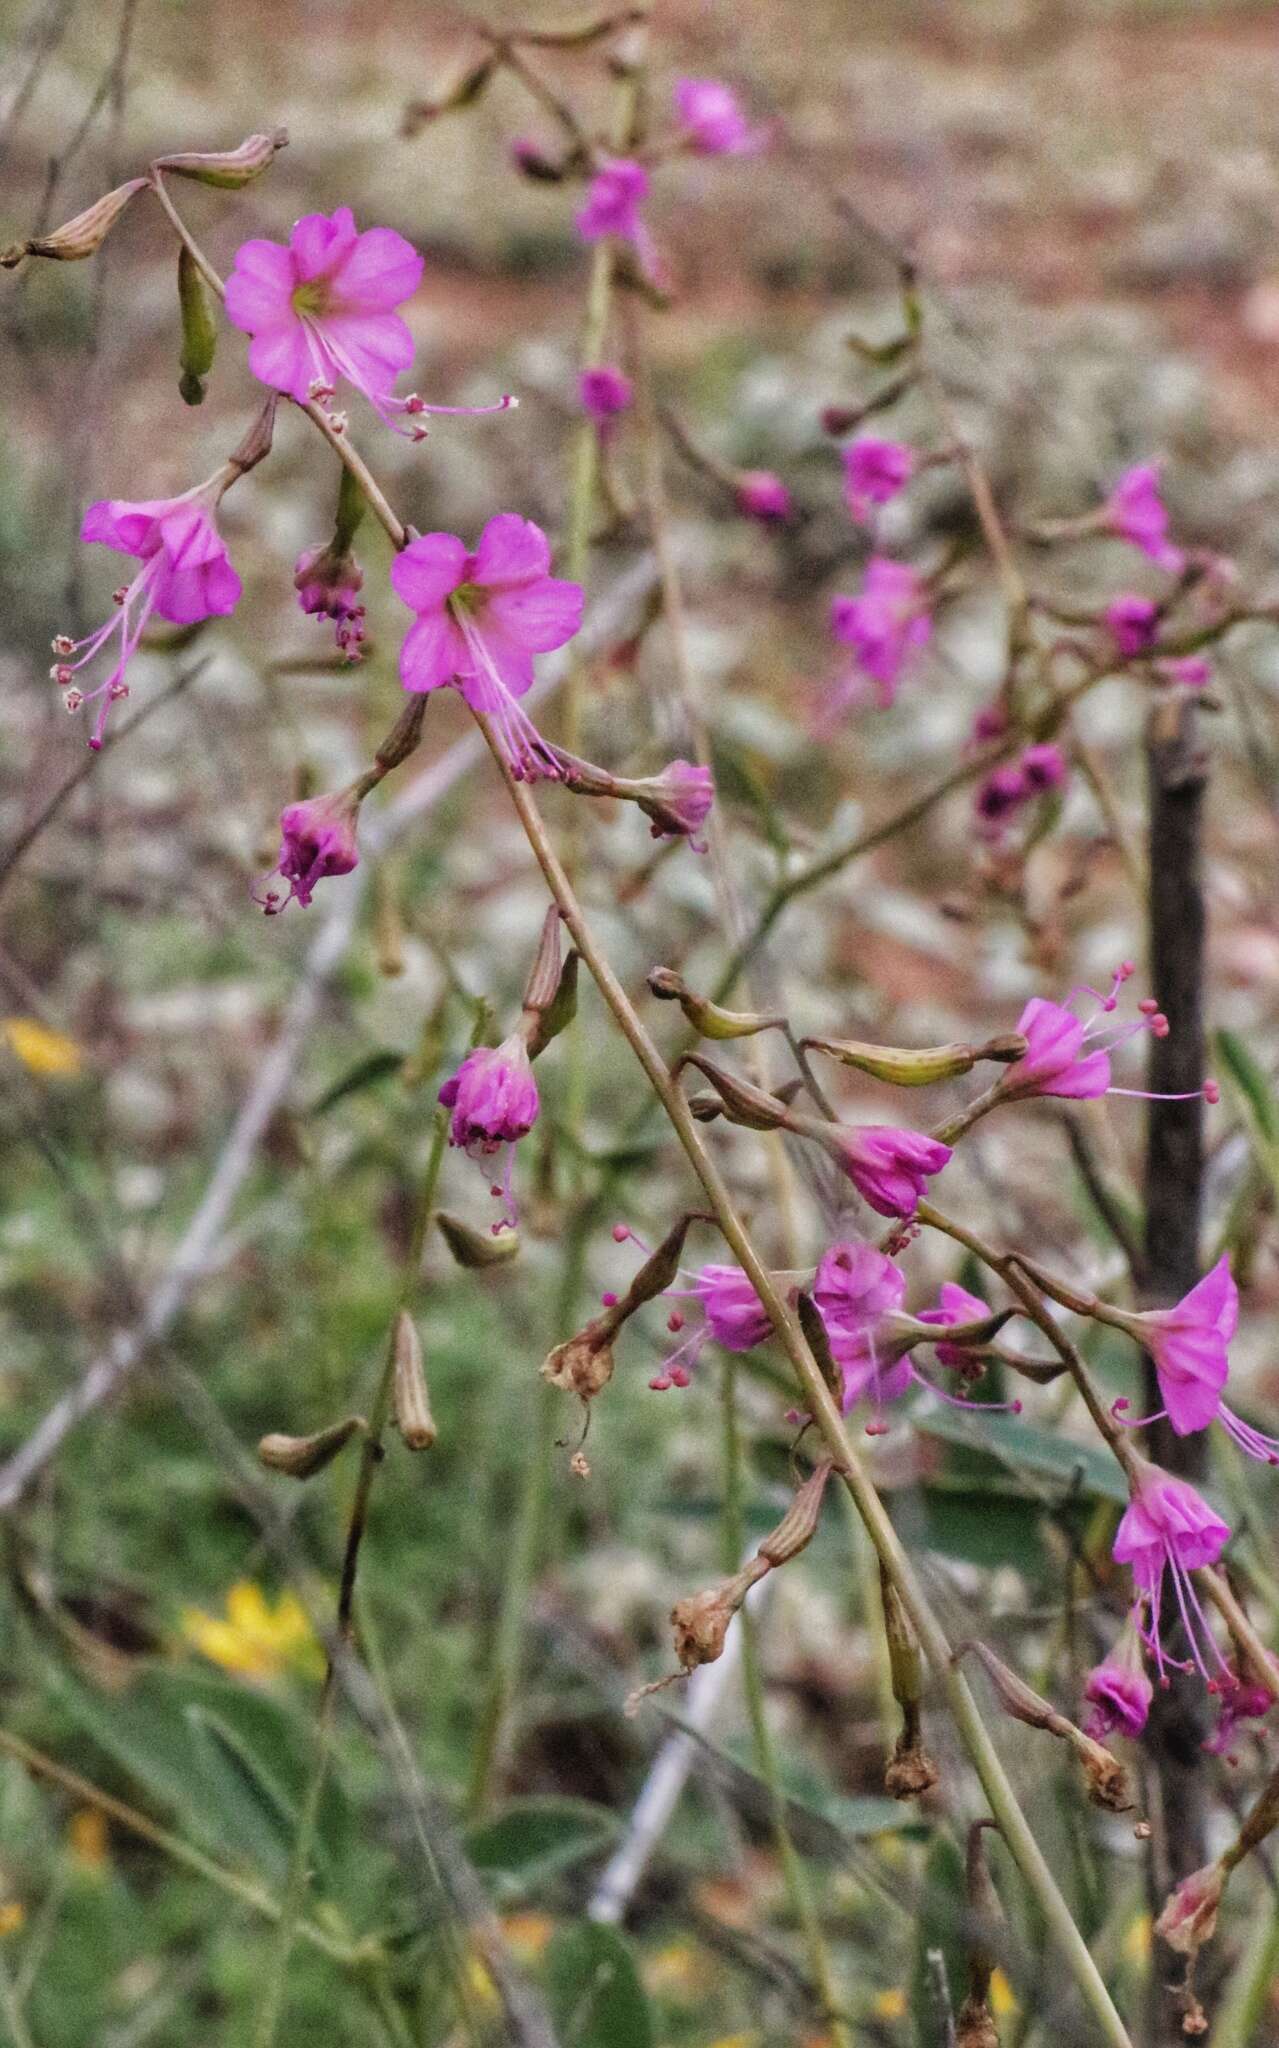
x: 83, y: 236
x: 410, y: 1401
x: 550, y: 993
x: 708, y: 1018
x: 301, y: 1456
x: 798, y: 1525
x: 916, y: 1069
x: 743, y: 1104
x: 701, y: 1625
x: 473, y: 1248
x: 228, y: 169
x: 256, y: 445
x: 199, y: 334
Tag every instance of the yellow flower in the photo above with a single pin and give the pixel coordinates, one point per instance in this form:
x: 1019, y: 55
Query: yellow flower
x: 1003, y: 1999
x: 680, y: 1970
x: 13, y: 1915
x: 1137, y: 1940
x: 87, y: 1838
x: 255, y: 1641
x: 528, y: 1933
x: 41, y: 1051
x: 891, y: 2004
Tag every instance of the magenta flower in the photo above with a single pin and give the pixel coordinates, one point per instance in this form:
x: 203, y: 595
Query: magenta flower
x: 1044, y: 767
x: 884, y: 625
x: 493, y: 1097
x: 324, y: 308
x: 613, y: 201
x: 481, y: 618
x: 858, y: 1294
x: 1070, y: 1056
x: 1186, y: 671
x: 604, y: 393
x: 874, y: 472
x: 1133, y: 624
x: 991, y: 723
x: 677, y: 802
x: 1136, y: 513
x: 955, y: 1305
x: 732, y: 1315
x: 317, y: 839
x: 889, y: 1168
x: 185, y: 576
x: 1240, y: 1700
x: 1188, y: 1344
x: 763, y: 496
x: 1118, y: 1690
x: 1167, y: 1527
x: 328, y: 583
x: 1000, y: 795
x: 712, y: 118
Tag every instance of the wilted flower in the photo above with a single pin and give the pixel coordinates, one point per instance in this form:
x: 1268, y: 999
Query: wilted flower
x: 493, y: 1099
x: 677, y: 802
x: 884, y: 625
x: 1136, y: 513
x: 1118, y: 1690
x: 481, y: 618
x: 733, y: 1316
x: 323, y: 308
x: 955, y: 1305
x: 713, y: 120
x: 185, y: 576
x: 1189, y: 1917
x: 328, y: 581
x: 317, y: 839
x: 874, y: 472
x: 1133, y: 623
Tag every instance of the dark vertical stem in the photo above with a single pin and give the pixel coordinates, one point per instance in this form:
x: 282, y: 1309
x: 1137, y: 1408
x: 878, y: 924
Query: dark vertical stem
x: 1178, y: 774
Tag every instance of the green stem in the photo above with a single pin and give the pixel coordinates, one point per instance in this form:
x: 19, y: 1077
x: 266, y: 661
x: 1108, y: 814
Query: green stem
x: 1002, y: 1799
x: 12, y: 2011
x: 1239, y: 2021
x: 371, y: 1456
x: 798, y: 1889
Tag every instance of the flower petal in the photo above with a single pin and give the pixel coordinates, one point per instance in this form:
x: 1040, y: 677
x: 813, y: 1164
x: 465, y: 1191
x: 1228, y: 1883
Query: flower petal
x: 279, y: 356
x: 378, y: 274
x: 510, y: 550
x: 371, y: 348
x: 424, y: 573
x: 260, y: 286
x: 432, y: 653
x: 320, y: 243
x: 537, y: 616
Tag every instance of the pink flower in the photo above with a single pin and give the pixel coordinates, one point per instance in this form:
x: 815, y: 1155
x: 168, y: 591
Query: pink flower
x: 1188, y: 1346
x: 1070, y: 1056
x: 328, y: 583
x: 493, y: 1097
x: 991, y: 723
x: 763, y: 496
x: 613, y: 201
x: 889, y: 1168
x: 1136, y: 513
x: 884, y: 625
x: 185, y: 576
x: 732, y: 1315
x: 713, y: 119
x: 1000, y: 794
x: 481, y: 618
x: 1168, y: 1528
x: 1119, y: 1691
x: 1044, y: 767
x: 955, y: 1305
x: 317, y: 840
x: 604, y: 393
x: 1240, y: 1700
x: 1133, y: 623
x: 874, y: 472
x: 677, y: 802
x: 1186, y: 671
x: 859, y: 1293
x: 323, y: 309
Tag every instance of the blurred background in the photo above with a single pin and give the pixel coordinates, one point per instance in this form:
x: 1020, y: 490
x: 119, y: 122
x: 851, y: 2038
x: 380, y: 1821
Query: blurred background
x: 1090, y: 191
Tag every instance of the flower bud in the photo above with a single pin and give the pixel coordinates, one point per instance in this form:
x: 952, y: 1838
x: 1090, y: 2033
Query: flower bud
x: 915, y: 1069
x: 199, y: 334
x: 256, y: 445
x: 707, y: 1018
x: 410, y: 1401
x: 476, y: 1248
x: 83, y: 236
x: 301, y: 1456
x: 228, y: 169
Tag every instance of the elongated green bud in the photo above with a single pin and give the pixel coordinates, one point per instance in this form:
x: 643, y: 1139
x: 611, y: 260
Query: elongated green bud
x: 80, y: 237
x: 228, y: 169
x: 476, y: 1248
x: 410, y: 1401
x: 199, y: 332
x: 910, y: 1770
x: 915, y: 1069
x: 301, y: 1456
x: 708, y: 1018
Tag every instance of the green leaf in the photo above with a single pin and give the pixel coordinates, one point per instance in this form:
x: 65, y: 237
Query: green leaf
x: 1250, y: 1082
x: 366, y: 1073
x: 597, y: 2000
x: 939, y: 1925
x: 1018, y: 1448
x: 982, y: 1528
x: 252, y: 1809
x: 533, y: 1840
